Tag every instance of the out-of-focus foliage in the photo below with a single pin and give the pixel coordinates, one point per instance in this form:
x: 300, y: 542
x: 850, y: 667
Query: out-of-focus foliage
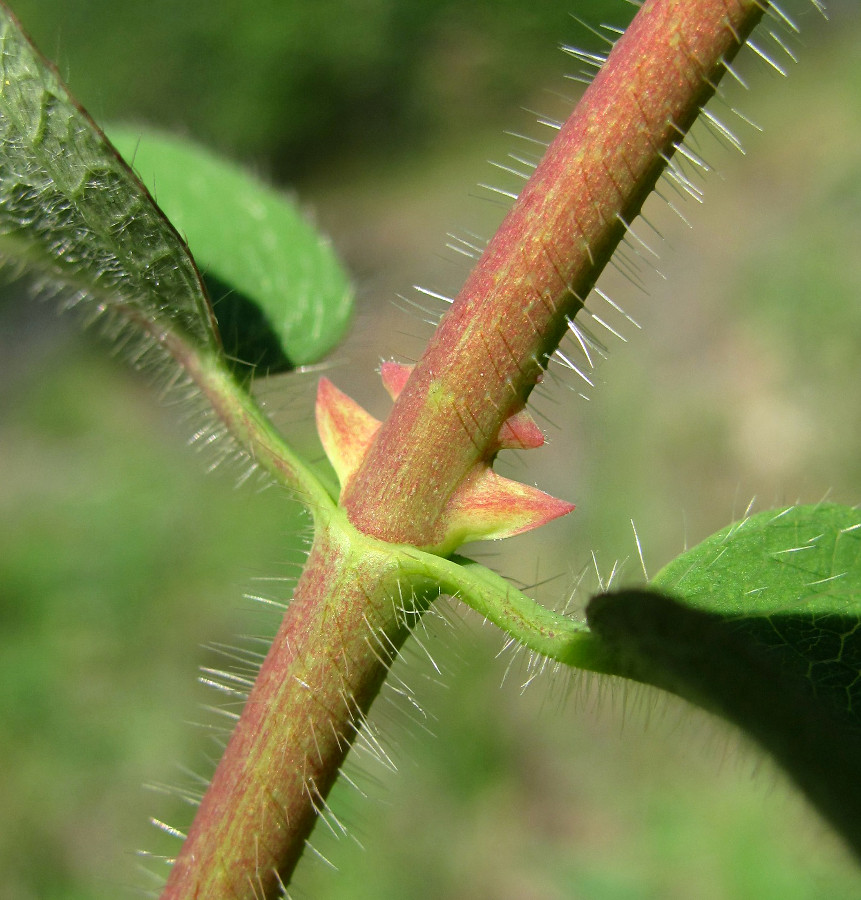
x: 113, y: 551
x: 294, y: 84
x: 278, y: 292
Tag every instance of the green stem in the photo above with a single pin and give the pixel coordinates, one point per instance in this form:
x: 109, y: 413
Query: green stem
x: 489, y: 350
x: 530, y: 624
x: 246, y: 422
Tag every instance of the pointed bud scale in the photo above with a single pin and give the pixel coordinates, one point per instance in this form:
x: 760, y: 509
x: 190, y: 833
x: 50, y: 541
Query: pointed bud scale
x: 487, y: 506
x: 520, y: 432
x: 394, y: 377
x: 345, y: 429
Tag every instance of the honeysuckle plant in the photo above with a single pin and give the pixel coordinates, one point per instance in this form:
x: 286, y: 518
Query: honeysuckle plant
x: 217, y: 282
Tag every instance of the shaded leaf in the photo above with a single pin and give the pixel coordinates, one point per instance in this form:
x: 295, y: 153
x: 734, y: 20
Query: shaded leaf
x: 279, y: 293
x: 791, y: 579
x: 71, y: 209
x: 761, y: 623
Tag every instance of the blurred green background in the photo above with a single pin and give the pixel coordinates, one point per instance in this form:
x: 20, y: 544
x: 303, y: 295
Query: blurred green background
x: 120, y: 557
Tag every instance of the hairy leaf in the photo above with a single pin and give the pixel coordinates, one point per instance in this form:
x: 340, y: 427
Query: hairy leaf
x: 280, y: 296
x: 762, y: 623
x: 791, y: 579
x: 72, y: 209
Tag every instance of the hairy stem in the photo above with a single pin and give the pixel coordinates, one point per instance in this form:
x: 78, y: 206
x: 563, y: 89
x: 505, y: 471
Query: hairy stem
x: 246, y: 423
x: 353, y: 607
x: 351, y: 611
x: 345, y: 623
x: 489, y: 350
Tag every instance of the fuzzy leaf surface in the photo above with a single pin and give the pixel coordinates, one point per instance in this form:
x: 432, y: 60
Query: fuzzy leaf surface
x: 761, y: 623
x: 279, y: 293
x: 791, y: 580
x: 74, y: 212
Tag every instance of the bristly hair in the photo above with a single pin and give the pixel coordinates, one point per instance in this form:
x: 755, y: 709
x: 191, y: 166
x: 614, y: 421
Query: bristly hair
x: 602, y: 322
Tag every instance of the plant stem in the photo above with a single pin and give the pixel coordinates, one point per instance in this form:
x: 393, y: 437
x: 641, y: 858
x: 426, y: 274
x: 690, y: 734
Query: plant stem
x: 351, y: 611
x: 346, y: 621
x: 491, y: 346
x: 353, y: 607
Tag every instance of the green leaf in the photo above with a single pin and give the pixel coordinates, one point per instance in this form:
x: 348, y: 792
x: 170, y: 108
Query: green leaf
x: 72, y: 209
x: 761, y: 623
x: 279, y: 293
x: 791, y: 579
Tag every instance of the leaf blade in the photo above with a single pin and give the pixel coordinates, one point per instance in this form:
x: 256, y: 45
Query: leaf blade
x: 791, y: 580
x: 280, y: 295
x: 761, y: 623
x: 699, y: 656
x: 72, y: 209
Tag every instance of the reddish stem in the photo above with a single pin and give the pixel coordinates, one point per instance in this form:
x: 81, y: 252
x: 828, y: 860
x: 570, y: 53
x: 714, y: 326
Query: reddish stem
x: 333, y: 649
x: 489, y: 350
x: 325, y: 666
